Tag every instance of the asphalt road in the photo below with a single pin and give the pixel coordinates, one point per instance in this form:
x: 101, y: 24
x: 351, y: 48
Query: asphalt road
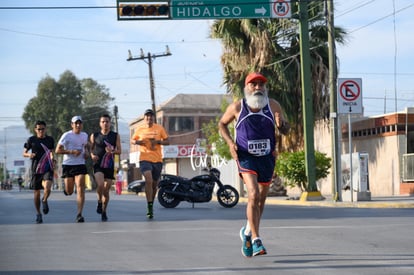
x: 200, y: 240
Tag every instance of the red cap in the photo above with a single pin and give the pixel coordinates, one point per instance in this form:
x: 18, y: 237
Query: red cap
x: 254, y: 76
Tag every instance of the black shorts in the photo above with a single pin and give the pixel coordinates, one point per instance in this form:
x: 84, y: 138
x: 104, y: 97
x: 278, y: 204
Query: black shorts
x: 155, y: 168
x: 37, y: 179
x: 262, y: 166
x: 70, y: 171
x: 108, y: 172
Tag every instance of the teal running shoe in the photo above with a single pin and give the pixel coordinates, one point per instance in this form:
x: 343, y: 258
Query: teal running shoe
x: 246, y: 249
x: 258, y: 248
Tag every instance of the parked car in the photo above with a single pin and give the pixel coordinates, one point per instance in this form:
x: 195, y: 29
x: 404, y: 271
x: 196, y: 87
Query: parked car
x: 136, y: 186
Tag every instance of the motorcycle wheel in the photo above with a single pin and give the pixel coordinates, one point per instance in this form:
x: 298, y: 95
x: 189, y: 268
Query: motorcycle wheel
x: 228, y: 196
x: 167, y: 200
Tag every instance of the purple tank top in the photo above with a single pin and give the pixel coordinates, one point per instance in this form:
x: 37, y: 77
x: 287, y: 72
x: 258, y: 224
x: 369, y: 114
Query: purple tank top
x: 255, y: 132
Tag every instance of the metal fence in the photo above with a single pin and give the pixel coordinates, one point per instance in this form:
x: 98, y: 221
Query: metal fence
x: 408, y: 167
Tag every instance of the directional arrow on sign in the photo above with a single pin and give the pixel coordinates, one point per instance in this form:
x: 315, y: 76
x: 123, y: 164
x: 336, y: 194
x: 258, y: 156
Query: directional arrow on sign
x: 261, y: 11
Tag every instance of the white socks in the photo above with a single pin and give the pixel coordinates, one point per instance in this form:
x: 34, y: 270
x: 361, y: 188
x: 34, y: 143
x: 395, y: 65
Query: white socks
x: 247, y: 231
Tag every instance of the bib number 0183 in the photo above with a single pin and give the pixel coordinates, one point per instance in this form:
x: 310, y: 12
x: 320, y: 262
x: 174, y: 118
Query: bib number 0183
x: 259, y: 147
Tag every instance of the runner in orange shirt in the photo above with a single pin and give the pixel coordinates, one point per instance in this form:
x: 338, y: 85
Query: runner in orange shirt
x: 150, y: 137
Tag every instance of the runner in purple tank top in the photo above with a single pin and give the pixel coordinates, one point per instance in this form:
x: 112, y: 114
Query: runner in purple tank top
x: 257, y: 116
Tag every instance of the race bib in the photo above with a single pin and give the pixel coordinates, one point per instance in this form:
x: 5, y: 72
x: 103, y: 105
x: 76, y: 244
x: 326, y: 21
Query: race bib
x: 259, y: 147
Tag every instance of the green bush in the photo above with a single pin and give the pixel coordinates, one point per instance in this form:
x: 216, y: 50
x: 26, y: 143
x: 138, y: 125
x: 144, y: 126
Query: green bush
x: 291, y: 167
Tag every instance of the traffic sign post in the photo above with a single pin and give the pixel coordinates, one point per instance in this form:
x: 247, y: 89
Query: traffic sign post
x: 349, y: 96
x: 350, y: 102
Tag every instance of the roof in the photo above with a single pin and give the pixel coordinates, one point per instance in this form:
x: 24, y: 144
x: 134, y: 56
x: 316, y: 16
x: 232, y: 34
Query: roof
x: 200, y: 101
x: 185, y: 102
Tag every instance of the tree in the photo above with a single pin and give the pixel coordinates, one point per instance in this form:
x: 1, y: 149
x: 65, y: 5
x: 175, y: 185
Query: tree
x: 272, y: 47
x: 57, y: 102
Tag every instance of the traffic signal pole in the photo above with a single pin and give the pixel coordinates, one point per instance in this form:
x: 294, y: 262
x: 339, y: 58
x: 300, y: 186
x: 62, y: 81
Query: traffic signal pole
x: 307, y: 102
x: 148, y: 59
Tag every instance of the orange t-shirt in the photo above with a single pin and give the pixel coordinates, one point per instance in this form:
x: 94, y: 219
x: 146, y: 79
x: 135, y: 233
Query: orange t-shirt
x: 148, y: 152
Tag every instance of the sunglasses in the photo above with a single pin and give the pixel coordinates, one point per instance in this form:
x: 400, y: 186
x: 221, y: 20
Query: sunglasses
x: 40, y: 129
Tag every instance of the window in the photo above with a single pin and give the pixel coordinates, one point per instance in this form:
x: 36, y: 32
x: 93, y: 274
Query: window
x: 180, y: 124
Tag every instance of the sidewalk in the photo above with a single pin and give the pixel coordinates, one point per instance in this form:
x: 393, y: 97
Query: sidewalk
x: 375, y: 202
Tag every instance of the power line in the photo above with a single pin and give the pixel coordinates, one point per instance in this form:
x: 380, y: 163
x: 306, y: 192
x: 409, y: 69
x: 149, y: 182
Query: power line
x: 381, y: 18
x: 57, y: 7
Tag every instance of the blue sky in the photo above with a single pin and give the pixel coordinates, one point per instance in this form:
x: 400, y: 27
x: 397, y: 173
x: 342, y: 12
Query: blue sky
x: 92, y: 43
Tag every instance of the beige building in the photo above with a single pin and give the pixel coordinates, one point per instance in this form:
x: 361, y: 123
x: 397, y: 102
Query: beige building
x: 389, y: 142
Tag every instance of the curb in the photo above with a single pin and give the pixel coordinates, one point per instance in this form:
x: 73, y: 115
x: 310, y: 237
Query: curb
x: 325, y: 203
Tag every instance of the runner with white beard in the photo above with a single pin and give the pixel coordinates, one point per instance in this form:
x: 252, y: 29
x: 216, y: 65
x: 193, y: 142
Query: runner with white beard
x: 257, y: 117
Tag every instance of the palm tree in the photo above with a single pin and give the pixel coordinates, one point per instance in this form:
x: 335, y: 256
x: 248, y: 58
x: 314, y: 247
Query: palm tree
x: 272, y: 47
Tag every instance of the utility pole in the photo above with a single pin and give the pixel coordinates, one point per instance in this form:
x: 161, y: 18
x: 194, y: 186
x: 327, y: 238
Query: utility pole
x: 5, y: 157
x: 148, y: 59
x: 117, y: 130
x: 333, y: 103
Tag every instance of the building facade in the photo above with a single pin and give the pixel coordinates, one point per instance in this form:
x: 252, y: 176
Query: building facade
x: 388, y: 140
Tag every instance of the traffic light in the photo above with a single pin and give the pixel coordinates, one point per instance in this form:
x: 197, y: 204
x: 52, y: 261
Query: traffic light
x: 138, y: 10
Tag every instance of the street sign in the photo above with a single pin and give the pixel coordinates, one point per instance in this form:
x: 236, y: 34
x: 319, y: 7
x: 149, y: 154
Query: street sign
x: 281, y: 9
x: 349, y: 96
x: 229, y: 9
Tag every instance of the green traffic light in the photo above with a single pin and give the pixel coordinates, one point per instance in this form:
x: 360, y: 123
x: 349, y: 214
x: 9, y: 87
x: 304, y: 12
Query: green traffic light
x: 163, y: 10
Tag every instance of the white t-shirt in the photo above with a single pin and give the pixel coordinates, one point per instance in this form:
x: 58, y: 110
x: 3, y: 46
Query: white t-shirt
x: 72, y: 141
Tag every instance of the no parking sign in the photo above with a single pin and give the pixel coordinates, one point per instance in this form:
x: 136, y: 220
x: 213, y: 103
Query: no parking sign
x: 349, y: 96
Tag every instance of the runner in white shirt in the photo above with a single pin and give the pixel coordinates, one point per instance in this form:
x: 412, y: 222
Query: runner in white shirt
x: 73, y: 145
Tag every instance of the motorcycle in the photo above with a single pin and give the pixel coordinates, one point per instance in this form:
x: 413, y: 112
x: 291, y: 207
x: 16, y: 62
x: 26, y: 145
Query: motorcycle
x: 174, y: 189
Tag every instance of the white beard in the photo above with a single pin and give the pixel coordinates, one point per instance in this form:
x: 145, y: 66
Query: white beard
x: 257, y: 100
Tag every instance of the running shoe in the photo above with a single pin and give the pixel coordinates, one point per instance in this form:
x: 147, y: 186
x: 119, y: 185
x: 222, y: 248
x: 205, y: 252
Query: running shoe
x: 246, y: 249
x: 39, y: 218
x: 45, y: 207
x: 104, y: 217
x: 150, y: 210
x: 79, y: 218
x: 99, y: 208
x: 258, y: 248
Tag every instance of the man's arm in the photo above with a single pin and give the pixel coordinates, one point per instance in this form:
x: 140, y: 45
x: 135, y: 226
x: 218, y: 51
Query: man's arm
x: 281, y: 123
x: 229, y: 116
x: 27, y: 154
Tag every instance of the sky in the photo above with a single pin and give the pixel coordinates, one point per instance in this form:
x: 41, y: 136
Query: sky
x: 92, y: 43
